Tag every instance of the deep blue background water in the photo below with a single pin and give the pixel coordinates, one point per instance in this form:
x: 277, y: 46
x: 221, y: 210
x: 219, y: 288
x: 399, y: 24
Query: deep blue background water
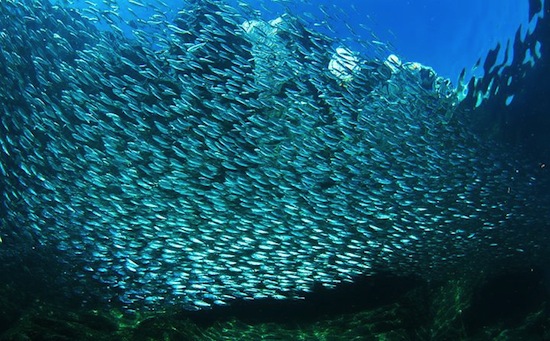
x: 447, y: 35
x: 444, y: 34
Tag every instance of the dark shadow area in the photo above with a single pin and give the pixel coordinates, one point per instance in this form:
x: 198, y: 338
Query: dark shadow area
x: 348, y: 298
x: 506, y: 300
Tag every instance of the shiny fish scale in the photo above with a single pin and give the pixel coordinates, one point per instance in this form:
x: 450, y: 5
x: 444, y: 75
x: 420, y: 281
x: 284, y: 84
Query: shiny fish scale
x: 198, y: 174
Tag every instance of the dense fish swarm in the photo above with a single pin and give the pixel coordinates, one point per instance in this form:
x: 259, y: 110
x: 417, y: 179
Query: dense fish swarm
x: 219, y: 158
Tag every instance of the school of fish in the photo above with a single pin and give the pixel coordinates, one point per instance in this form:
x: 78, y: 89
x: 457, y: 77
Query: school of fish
x: 218, y: 157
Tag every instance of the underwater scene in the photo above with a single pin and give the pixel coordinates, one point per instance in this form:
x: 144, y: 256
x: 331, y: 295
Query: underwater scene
x: 274, y: 170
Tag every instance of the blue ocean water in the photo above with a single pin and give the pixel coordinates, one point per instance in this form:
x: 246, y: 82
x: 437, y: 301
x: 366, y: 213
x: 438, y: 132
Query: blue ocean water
x: 448, y: 36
